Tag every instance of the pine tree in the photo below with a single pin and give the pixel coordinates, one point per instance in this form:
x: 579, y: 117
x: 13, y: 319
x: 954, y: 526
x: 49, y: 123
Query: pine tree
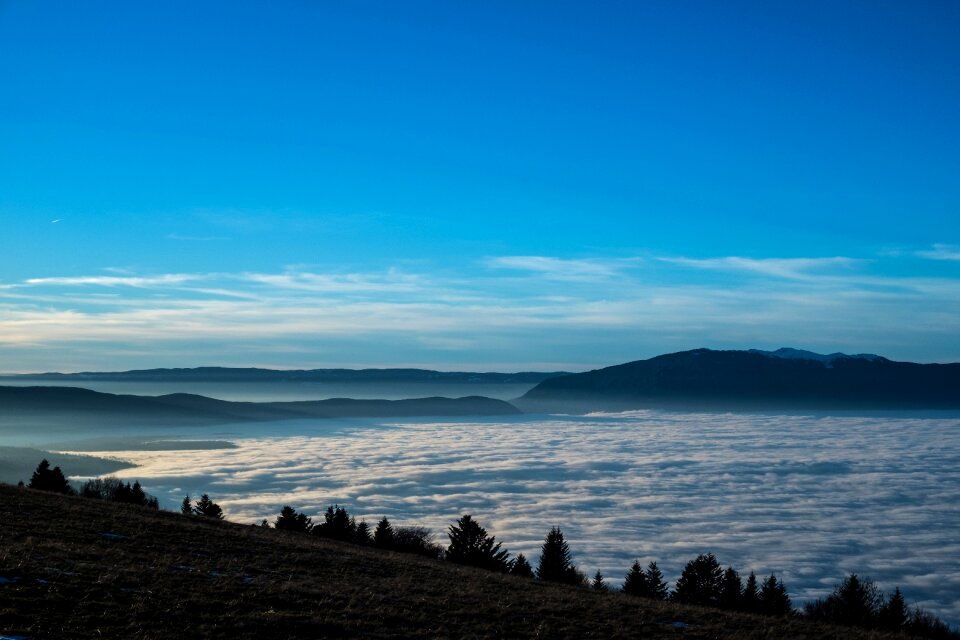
x: 731, y: 590
x: 750, y: 600
x: 556, y: 564
x: 46, y: 479
x: 362, y: 534
x: 701, y: 581
x: 470, y: 544
x: 337, y: 524
x: 290, y: 520
x: 137, y: 494
x: 521, y: 567
x: 656, y: 585
x: 894, y: 614
x: 207, y: 508
x: 635, y: 582
x: 774, y: 600
x: 383, y: 534
x: 853, y: 602
x: 598, y: 584
x: 186, y: 507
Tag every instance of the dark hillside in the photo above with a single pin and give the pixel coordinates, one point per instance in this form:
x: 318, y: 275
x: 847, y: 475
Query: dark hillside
x: 753, y: 380
x: 76, y: 568
x: 184, y: 408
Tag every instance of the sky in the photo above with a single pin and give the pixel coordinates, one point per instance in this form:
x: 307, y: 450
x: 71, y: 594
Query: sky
x: 475, y: 185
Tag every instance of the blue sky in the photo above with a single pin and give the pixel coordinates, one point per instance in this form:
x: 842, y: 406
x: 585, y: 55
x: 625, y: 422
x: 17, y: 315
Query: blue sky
x: 475, y: 185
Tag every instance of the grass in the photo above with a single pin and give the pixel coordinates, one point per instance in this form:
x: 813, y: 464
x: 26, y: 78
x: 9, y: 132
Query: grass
x: 75, y: 568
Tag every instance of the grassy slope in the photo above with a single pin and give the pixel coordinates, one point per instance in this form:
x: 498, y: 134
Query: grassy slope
x: 170, y: 576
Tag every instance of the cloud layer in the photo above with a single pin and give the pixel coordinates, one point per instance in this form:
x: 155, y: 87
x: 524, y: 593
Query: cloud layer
x: 506, y: 312
x: 809, y: 498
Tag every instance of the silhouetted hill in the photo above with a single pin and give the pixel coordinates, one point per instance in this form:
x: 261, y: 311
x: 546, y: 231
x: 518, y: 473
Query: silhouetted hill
x: 183, y: 408
x: 79, y: 568
x: 786, y: 379
x: 234, y: 374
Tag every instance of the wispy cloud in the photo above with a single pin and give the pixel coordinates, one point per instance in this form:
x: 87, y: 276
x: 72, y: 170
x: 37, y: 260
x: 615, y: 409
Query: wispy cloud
x: 941, y: 252
x: 562, y: 269
x: 788, y: 268
x: 117, y: 281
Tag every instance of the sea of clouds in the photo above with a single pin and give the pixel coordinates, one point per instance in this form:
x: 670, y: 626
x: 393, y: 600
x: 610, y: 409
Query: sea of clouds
x: 808, y: 498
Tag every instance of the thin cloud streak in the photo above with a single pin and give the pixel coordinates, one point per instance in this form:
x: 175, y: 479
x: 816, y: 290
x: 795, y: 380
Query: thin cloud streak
x: 788, y: 268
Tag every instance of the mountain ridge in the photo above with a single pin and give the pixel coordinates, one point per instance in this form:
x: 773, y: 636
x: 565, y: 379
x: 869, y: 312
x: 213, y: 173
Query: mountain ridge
x: 709, y: 379
x: 186, y: 408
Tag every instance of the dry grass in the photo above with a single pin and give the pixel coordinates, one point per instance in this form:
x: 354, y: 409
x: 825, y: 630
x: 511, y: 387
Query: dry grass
x: 163, y: 575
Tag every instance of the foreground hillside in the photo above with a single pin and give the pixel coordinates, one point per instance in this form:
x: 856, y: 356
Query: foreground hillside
x: 732, y: 380
x: 75, y: 568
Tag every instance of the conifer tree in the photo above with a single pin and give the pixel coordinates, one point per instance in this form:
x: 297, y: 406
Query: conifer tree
x: 556, y: 564
x: 383, y: 534
x: 635, y: 582
x: 701, y: 581
x: 774, y: 600
x: 46, y: 479
x: 894, y: 614
x: 521, y: 567
x: 731, y: 591
x: 598, y: 584
x: 656, y: 585
x: 750, y: 600
x: 470, y: 544
x: 290, y: 520
x: 186, y: 507
x: 337, y: 524
x: 208, y: 508
x: 362, y: 534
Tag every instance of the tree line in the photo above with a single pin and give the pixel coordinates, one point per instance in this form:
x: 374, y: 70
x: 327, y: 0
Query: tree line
x: 855, y: 601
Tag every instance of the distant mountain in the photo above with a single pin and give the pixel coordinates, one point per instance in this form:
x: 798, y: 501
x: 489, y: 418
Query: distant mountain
x: 83, y: 405
x: 800, y: 354
x: 232, y: 374
x: 782, y: 379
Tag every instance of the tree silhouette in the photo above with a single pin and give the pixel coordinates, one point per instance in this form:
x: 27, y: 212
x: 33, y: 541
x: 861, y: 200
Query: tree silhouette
x: 362, y: 535
x: 556, y: 564
x: 656, y: 585
x: 635, y: 582
x: 521, y: 567
x: 701, y: 581
x: 731, y: 590
x: 186, y: 507
x: 854, y: 602
x: 598, y: 584
x: 750, y: 599
x: 207, y: 508
x: 894, y: 614
x: 470, y: 545
x: 774, y: 600
x: 290, y: 520
x: 383, y: 534
x: 337, y: 525
x: 46, y: 479
x: 418, y: 540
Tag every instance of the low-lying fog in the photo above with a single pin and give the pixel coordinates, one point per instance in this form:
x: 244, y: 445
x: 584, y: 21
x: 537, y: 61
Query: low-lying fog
x: 809, y: 498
